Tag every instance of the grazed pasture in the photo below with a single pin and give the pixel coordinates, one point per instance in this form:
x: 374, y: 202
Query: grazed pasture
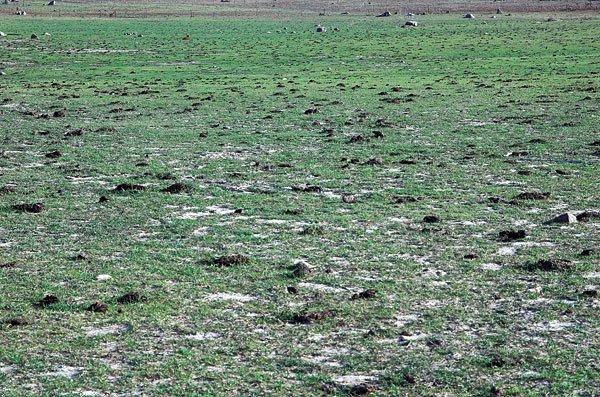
x: 248, y: 207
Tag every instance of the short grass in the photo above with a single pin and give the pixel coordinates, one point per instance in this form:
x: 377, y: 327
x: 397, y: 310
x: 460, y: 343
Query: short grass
x: 452, y: 119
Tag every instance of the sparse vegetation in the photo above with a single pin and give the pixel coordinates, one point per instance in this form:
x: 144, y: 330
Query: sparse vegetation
x: 261, y: 209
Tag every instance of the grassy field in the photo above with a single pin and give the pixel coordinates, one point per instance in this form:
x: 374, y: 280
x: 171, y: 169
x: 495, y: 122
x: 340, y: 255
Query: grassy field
x: 360, y: 211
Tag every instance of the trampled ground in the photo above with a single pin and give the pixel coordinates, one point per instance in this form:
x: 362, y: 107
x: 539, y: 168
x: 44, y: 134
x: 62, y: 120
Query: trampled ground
x: 356, y: 211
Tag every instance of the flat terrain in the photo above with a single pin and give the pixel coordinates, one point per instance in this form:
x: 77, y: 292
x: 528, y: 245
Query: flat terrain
x: 249, y: 207
x: 282, y: 8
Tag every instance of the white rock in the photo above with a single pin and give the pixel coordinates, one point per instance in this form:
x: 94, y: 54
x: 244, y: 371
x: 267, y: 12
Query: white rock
x: 567, y: 217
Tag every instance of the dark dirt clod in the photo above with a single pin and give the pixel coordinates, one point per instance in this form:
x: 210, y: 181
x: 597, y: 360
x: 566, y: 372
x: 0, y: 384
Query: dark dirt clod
x: 48, y: 300
x: 128, y: 187
x: 511, y: 235
x: 548, y: 265
x: 356, y: 139
x: 59, y: 113
x: 34, y: 208
x: 404, y: 199
x: 53, y: 155
x: 410, y: 379
x: 311, y: 111
x: 309, y: 318
x: 75, y: 132
x: 292, y: 290
x: 312, y: 230
x: 307, y: 188
x: 131, y: 297
x: 366, y: 294
x: 293, y: 211
x: 497, y: 361
x: 431, y: 219
x: 103, y: 199
x: 495, y: 392
x: 177, y: 187
x: 533, y: 196
x: 231, y: 260
x: 7, y: 265
x: 7, y: 189
x: 590, y: 293
x: 361, y: 390
x: 471, y: 256
x: 374, y: 161
x: 16, y: 322
x: 98, y: 307
x: 587, y: 252
x: 518, y: 154
x: 586, y: 216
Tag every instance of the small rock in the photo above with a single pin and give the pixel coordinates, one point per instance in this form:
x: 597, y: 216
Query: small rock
x: 348, y: 199
x: 469, y: 16
x: 567, y: 217
x: 384, y: 14
x: 301, y: 268
x: 412, y: 24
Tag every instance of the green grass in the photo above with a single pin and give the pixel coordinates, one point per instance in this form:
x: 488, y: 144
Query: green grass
x: 224, y: 113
